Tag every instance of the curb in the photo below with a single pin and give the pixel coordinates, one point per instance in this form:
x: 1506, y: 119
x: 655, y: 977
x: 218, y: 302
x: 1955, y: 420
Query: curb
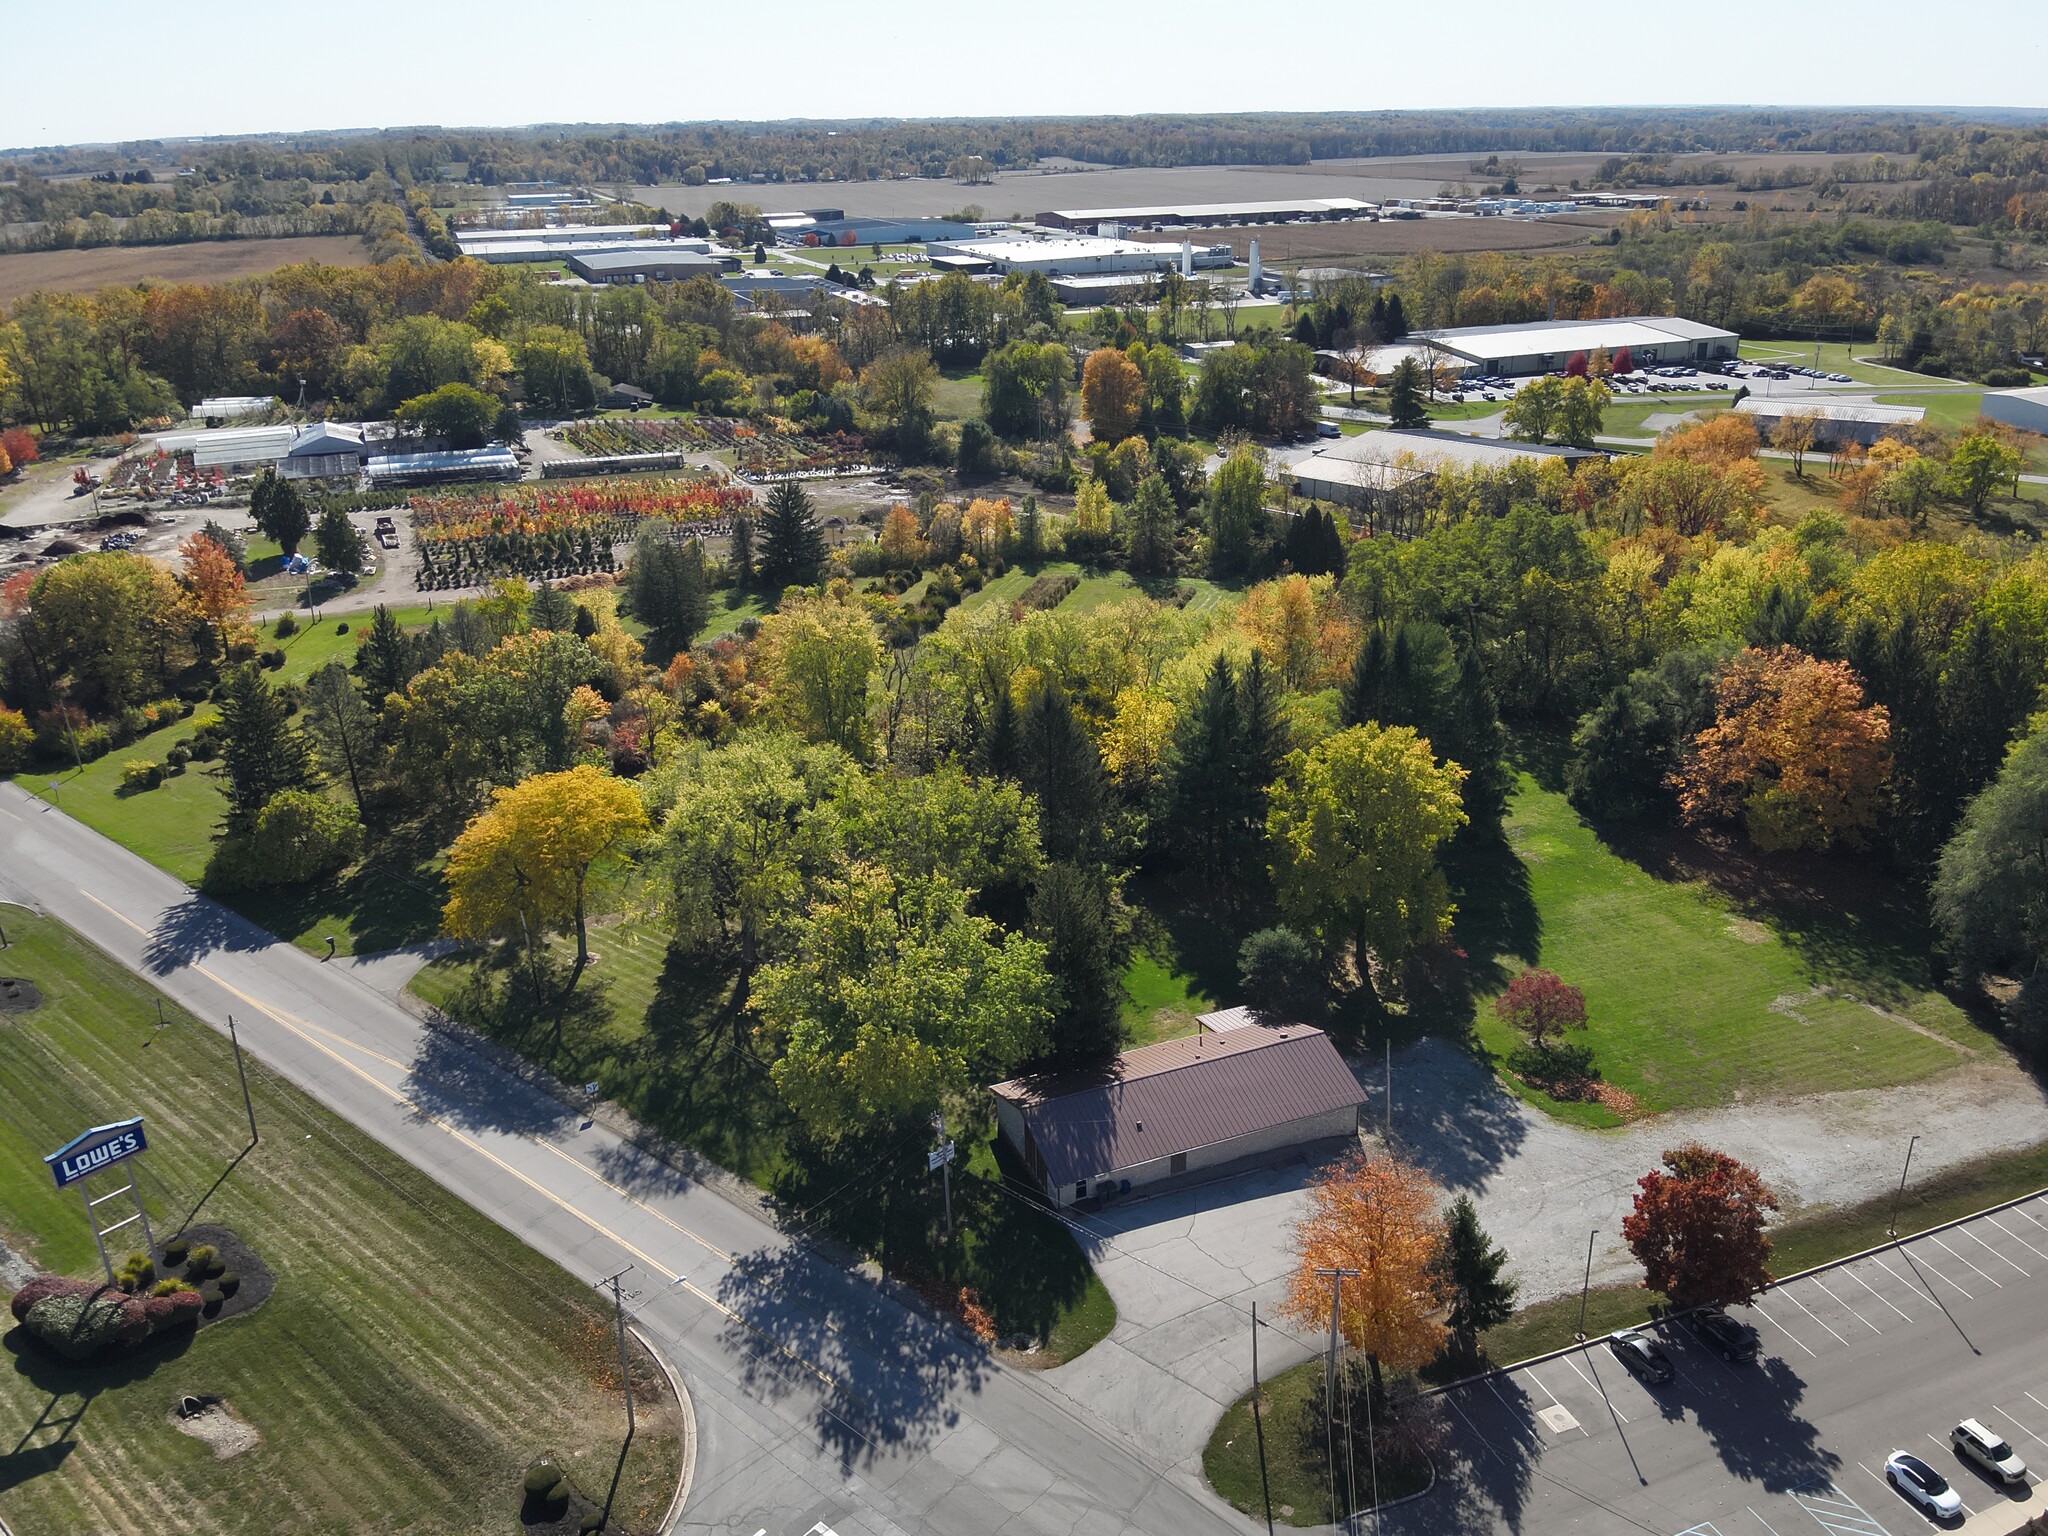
x: 1776, y: 1281
x: 689, y: 1410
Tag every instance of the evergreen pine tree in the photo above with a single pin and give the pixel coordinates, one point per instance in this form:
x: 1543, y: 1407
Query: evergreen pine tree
x: 550, y: 609
x: 262, y: 752
x: 1263, y: 744
x: 1058, y: 763
x: 279, y: 512
x: 996, y: 742
x: 741, y: 546
x: 585, y: 623
x: 1473, y: 738
x: 1074, y: 913
x: 1481, y: 1296
x: 1030, y: 533
x: 792, y: 548
x: 665, y: 588
x: 1365, y: 693
x: 1985, y: 697
x: 1205, y: 771
x: 385, y: 663
x: 1899, y: 675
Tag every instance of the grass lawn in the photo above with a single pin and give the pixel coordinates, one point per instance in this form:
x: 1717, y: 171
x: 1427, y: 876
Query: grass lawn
x: 1695, y: 1002
x: 1296, y: 1476
x: 1625, y: 417
x: 957, y: 395
x: 412, y: 1360
x: 394, y: 899
x: 1956, y: 409
x: 1852, y: 358
x: 650, y: 1025
x: 730, y: 609
x: 1160, y: 1002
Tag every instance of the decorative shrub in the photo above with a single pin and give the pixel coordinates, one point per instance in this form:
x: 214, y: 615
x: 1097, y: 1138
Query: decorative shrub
x: 341, y: 628
x: 285, y: 627
x: 542, y: 1478
x: 200, y: 1262
x: 176, y: 1250
x: 141, y: 773
x: 300, y: 835
x: 230, y: 1282
x: 178, y: 756
x: 137, y: 1273
x: 273, y: 660
x: 79, y: 1327
x: 42, y: 1286
x: 177, y: 1308
x: 16, y: 737
x: 1557, y: 1068
x: 168, y: 1288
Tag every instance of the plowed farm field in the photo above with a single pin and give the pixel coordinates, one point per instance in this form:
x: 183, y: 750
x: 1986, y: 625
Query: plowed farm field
x: 204, y: 261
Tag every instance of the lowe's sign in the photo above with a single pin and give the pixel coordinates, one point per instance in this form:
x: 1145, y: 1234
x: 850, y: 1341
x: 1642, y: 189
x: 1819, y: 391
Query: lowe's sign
x: 101, y: 1147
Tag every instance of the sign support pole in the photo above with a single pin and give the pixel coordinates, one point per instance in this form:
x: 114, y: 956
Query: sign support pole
x: 148, y: 1242
x: 99, y: 1241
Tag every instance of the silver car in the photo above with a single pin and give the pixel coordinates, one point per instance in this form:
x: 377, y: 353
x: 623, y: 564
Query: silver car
x: 1992, y: 1453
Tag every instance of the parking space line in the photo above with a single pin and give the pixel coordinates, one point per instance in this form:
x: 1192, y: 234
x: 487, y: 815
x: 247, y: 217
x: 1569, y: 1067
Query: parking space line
x: 1835, y: 1511
x: 1973, y: 1237
x: 1878, y: 1294
x: 2021, y: 1210
x: 1589, y: 1381
x: 2035, y: 1400
x: 2017, y: 1425
x: 1757, y: 1308
x: 1944, y: 1279
x: 1461, y: 1413
x: 1802, y: 1306
x: 1963, y: 1261
x: 1760, y: 1520
x: 1831, y: 1296
x: 1546, y: 1392
x: 2008, y: 1231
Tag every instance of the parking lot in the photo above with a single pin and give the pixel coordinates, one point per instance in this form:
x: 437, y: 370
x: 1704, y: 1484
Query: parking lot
x: 1886, y: 1353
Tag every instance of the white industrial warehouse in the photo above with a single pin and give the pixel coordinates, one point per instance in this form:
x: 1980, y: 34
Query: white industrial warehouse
x: 2026, y: 409
x: 1092, y: 219
x: 1361, y: 469
x: 1545, y: 346
x: 1065, y: 256
x: 1852, y: 421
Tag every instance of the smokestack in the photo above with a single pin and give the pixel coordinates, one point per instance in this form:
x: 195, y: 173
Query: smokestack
x: 1187, y: 258
x: 1256, y: 274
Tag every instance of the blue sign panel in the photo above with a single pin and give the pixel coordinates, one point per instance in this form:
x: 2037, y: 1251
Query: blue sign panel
x: 101, y: 1147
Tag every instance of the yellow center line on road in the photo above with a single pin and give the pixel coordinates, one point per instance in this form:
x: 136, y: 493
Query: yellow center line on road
x: 674, y: 1279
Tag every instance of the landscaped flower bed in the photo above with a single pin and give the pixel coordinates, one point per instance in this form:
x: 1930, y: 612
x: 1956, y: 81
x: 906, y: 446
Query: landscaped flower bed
x: 547, y: 532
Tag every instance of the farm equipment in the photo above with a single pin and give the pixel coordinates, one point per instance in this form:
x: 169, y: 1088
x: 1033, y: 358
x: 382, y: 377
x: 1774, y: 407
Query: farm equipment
x: 81, y: 482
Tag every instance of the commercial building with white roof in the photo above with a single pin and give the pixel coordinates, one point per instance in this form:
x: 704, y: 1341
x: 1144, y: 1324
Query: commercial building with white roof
x: 1358, y: 470
x: 1546, y: 346
x: 1151, y: 217
x: 1063, y: 256
x: 2026, y: 409
x: 1852, y: 421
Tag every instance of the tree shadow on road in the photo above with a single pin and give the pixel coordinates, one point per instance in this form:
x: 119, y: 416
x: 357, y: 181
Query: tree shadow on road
x: 1486, y: 1468
x: 892, y: 1373
x: 455, y: 1082
x: 1753, y: 1420
x: 1451, y: 1115
x: 195, y: 926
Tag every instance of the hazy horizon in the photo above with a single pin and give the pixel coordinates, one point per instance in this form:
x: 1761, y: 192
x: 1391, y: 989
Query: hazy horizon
x: 251, y: 75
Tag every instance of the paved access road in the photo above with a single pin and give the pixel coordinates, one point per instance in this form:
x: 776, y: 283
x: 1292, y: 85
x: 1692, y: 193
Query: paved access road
x: 819, y: 1400
x: 1882, y: 1354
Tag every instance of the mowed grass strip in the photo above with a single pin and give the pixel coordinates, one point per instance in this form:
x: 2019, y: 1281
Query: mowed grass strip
x: 412, y: 1360
x: 1692, y: 1003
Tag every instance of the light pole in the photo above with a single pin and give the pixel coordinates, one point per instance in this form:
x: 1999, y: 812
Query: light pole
x: 1892, y: 1228
x: 243, y: 1073
x: 1586, y: 1284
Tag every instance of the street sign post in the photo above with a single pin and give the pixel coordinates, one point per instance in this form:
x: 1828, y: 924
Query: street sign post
x: 96, y: 1151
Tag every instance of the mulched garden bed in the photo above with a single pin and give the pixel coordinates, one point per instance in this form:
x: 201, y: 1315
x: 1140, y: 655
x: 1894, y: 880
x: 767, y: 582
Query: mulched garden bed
x: 19, y: 995
x: 236, y: 1257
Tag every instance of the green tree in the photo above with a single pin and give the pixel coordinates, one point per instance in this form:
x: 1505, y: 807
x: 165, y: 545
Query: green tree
x: 1074, y: 913
x: 896, y: 1002
x: 1151, y: 520
x: 1059, y: 765
x: 665, y: 589
x: 1405, y: 402
x: 555, y: 364
x: 1205, y: 806
x: 898, y: 387
x: 1237, y: 497
x: 1979, y: 465
x: 343, y: 727
x: 792, y: 548
x: 550, y: 609
x: 278, y: 511
x: 1355, y: 827
x: 300, y: 835
x: 1532, y: 414
x: 1990, y: 896
x: 1482, y: 1297
x: 337, y: 542
x: 1579, y: 409
x: 458, y: 414
x: 387, y: 658
x: 1281, y: 976
x: 740, y: 547
x: 820, y: 655
x: 1026, y: 388
x: 262, y: 752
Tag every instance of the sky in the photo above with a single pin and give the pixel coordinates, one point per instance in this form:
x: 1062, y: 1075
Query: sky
x: 114, y: 70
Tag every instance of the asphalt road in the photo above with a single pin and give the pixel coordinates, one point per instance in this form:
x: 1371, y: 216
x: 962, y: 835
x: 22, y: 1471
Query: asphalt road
x: 1882, y: 1354
x: 819, y: 1399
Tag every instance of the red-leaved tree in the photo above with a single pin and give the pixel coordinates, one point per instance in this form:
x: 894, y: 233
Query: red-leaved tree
x: 1542, y: 1007
x: 1624, y: 360
x: 1575, y: 366
x: 20, y: 446
x: 1698, y: 1229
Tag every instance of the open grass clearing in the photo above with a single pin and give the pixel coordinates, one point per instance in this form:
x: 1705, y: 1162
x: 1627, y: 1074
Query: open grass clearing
x: 957, y: 395
x: 413, y: 1358
x: 1696, y: 999
x: 652, y: 1025
x: 1834, y: 356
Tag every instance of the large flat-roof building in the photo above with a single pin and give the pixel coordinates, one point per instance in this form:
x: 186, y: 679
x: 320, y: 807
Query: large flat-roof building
x: 1833, y: 422
x: 1055, y: 256
x: 1546, y: 346
x: 658, y: 263
x: 829, y: 227
x: 1195, y: 214
x: 1180, y: 1107
x: 2026, y: 409
x: 1359, y: 471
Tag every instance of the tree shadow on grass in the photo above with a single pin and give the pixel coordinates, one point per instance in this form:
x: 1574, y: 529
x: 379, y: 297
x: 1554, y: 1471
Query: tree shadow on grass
x: 1195, y: 925
x: 45, y: 1443
x: 392, y: 899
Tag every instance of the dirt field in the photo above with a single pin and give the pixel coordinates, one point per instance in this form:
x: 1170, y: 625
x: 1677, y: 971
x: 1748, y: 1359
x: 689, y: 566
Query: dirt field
x: 209, y: 261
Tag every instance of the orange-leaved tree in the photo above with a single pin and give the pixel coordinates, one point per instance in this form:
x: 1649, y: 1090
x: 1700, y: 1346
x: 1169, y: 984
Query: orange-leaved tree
x: 1795, y: 752
x: 217, y: 587
x: 1112, y: 390
x: 1377, y: 1216
x: 1698, y: 1229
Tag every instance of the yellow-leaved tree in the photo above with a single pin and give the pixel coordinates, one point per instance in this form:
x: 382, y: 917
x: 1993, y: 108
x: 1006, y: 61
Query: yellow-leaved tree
x: 1377, y: 1217
x: 529, y: 864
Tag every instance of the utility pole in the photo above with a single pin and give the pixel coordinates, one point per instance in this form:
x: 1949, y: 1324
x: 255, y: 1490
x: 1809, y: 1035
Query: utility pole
x: 1892, y: 1227
x: 1336, y: 1277
x: 1586, y: 1284
x: 242, y: 1072
x: 1390, y: 1091
x: 942, y: 1159
x: 619, y: 1298
x: 1259, y: 1428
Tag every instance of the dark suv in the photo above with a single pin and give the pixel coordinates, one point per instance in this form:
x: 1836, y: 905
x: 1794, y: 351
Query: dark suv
x: 1722, y: 1334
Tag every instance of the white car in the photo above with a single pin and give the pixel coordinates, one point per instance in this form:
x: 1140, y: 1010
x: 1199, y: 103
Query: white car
x: 1992, y: 1453
x: 1923, y: 1485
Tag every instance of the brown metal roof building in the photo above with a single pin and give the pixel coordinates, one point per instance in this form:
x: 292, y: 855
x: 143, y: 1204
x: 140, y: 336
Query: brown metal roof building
x: 1177, y: 1107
